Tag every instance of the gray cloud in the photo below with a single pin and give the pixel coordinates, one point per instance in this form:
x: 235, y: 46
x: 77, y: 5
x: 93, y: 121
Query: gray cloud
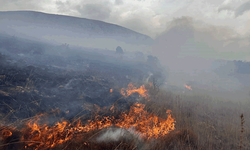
x: 95, y: 11
x: 137, y: 24
x: 228, y: 8
x: 12, y: 5
x: 63, y: 6
x: 118, y: 2
x: 242, y: 9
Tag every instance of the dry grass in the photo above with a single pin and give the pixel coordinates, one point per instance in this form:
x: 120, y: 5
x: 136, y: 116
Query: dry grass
x: 202, y: 122
x: 242, y: 130
x: 216, y: 123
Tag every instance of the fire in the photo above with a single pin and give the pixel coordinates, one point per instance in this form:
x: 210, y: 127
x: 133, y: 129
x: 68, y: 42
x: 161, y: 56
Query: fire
x: 131, y: 89
x: 145, y: 124
x: 188, y: 87
x: 111, y: 90
x: 5, y: 133
x: 112, y: 108
x: 46, y: 136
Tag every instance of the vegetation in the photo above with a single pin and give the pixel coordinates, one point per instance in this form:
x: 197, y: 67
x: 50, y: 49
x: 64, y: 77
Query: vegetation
x: 202, y: 122
x: 195, y: 128
x: 55, y: 86
x: 119, y: 50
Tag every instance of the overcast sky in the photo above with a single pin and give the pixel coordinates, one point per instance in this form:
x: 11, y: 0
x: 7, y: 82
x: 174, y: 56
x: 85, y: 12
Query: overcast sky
x: 145, y: 16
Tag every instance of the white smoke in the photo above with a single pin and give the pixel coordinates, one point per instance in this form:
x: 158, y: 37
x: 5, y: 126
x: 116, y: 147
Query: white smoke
x: 116, y: 134
x: 149, y: 75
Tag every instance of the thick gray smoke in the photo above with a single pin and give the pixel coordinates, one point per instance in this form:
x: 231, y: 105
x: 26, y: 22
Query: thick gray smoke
x: 200, y: 53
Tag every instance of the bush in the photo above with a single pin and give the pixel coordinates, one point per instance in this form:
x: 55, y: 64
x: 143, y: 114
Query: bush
x: 119, y: 50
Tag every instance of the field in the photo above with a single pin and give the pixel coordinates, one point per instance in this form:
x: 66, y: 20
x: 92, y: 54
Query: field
x: 96, y: 101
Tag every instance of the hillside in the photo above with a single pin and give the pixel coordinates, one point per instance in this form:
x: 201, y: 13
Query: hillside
x: 67, y: 29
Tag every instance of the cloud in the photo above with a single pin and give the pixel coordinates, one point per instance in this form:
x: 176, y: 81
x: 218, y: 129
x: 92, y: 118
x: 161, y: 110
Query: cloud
x: 64, y: 7
x: 242, y: 9
x: 228, y: 8
x: 137, y: 20
x: 118, y: 2
x: 12, y: 5
x: 95, y: 11
x: 148, y: 17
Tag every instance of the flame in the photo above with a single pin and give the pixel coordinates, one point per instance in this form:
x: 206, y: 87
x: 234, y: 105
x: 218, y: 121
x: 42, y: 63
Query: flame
x: 148, y: 125
x: 112, y: 108
x: 168, y: 111
x: 131, y: 89
x: 188, y: 87
x: 111, y: 90
x: 145, y: 124
x: 46, y: 136
x: 5, y: 133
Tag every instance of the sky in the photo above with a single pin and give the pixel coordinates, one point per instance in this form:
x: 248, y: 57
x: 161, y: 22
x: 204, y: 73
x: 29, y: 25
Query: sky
x: 214, y: 28
x: 149, y: 17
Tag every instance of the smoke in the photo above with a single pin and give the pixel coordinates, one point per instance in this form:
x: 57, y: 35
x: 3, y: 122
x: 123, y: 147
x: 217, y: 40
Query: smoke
x: 192, y: 44
x: 191, y: 50
x: 149, y: 75
x: 116, y: 134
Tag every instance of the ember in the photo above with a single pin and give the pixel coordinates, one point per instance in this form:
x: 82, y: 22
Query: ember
x: 131, y: 89
x: 188, y: 87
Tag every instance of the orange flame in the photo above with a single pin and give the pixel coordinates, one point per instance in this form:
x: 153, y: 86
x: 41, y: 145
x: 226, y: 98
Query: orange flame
x: 145, y: 124
x: 131, y: 89
x: 112, y: 108
x: 188, y: 87
x: 5, y: 133
x: 148, y: 124
x: 111, y: 90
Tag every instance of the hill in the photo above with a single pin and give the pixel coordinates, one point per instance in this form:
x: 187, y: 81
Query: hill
x: 66, y: 29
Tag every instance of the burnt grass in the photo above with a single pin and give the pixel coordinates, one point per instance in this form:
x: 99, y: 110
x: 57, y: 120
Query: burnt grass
x: 26, y: 90
x: 37, y: 78
x: 31, y: 86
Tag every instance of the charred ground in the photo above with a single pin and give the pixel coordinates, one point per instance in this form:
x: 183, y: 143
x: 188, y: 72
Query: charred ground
x: 38, y: 78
